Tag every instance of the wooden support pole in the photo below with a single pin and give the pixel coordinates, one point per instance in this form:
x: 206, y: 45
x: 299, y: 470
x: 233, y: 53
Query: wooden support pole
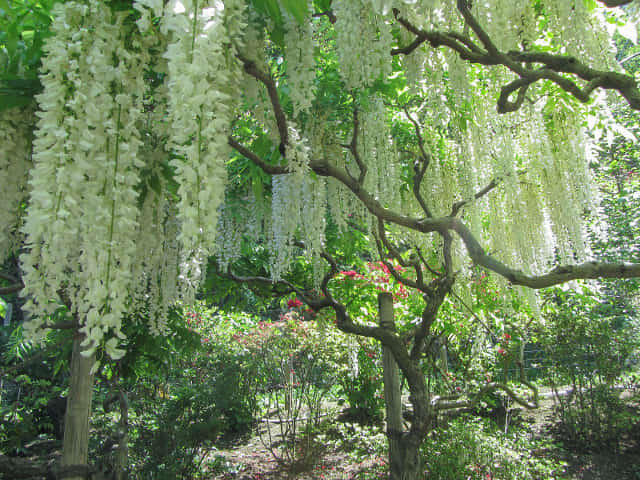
x: 75, y: 448
x: 392, y: 392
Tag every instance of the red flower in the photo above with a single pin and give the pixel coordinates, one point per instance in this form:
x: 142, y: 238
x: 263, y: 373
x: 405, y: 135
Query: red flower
x: 350, y: 273
x: 506, y: 336
x: 501, y: 351
x: 294, y: 303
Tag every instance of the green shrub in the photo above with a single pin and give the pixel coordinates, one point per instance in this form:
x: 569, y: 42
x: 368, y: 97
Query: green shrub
x: 595, y: 416
x: 362, y: 388
x: 588, y: 344
x: 475, y: 449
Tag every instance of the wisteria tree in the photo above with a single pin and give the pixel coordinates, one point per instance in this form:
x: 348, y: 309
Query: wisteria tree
x: 455, y: 134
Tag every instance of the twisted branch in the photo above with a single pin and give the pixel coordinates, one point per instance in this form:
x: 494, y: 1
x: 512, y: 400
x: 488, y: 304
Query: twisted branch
x: 440, y: 405
x: 519, y: 62
x: 445, y: 225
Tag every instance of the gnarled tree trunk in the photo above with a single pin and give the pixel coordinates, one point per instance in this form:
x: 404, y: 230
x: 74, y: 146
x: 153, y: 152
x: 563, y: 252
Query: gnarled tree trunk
x: 404, y: 447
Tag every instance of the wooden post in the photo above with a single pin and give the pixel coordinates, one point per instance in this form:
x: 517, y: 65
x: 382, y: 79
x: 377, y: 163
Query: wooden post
x: 75, y: 446
x: 392, y: 393
x: 121, y: 463
x: 444, y: 363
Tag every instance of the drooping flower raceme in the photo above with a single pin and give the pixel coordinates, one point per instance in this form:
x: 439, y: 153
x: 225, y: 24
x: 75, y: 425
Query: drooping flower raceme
x: 300, y: 63
x: 155, y: 273
x: 363, y: 43
x: 16, y: 133
x: 200, y: 108
x: 298, y: 205
x: 82, y: 220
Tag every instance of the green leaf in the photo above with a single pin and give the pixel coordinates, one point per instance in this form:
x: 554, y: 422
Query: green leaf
x: 323, y: 5
x: 12, y: 39
x: 590, y: 5
x: 12, y: 101
x: 257, y: 187
x: 269, y: 8
x: 297, y: 8
x: 277, y: 35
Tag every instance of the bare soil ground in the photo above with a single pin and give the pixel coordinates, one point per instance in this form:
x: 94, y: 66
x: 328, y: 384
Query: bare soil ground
x: 598, y: 463
x: 250, y: 460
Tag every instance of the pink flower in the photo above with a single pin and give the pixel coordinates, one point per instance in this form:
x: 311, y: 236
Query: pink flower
x: 501, y: 351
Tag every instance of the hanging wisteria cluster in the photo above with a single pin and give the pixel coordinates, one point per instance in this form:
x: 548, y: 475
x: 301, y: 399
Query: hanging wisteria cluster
x: 82, y: 217
x: 200, y: 109
x: 300, y: 63
x: 92, y: 241
x: 361, y: 62
x: 16, y: 132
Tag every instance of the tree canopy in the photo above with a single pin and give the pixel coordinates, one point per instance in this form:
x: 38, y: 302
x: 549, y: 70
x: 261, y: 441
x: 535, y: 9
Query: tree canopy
x: 282, y: 143
x: 165, y: 134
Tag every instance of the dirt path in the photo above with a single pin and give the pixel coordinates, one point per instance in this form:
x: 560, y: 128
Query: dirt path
x: 250, y: 460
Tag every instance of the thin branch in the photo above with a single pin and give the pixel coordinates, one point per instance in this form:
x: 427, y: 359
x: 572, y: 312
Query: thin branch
x: 560, y: 274
x: 15, y: 287
x: 329, y: 14
x: 34, y: 358
x: 433, y: 272
x: 281, y: 120
x: 353, y: 146
x: 615, y: 3
x: 382, y: 239
x: 11, y: 289
x: 266, y: 167
x: 630, y: 57
x: 481, y: 193
x: 421, y: 168
x: 519, y: 61
x: 458, y: 205
x: 316, y: 304
x: 9, y: 278
x: 478, y: 195
x: 440, y: 405
x: 473, y: 314
x: 62, y: 326
x: 491, y: 387
x: 464, y: 8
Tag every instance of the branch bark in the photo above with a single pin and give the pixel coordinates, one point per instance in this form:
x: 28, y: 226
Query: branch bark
x: 15, y: 287
x: 445, y: 225
x: 520, y: 63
